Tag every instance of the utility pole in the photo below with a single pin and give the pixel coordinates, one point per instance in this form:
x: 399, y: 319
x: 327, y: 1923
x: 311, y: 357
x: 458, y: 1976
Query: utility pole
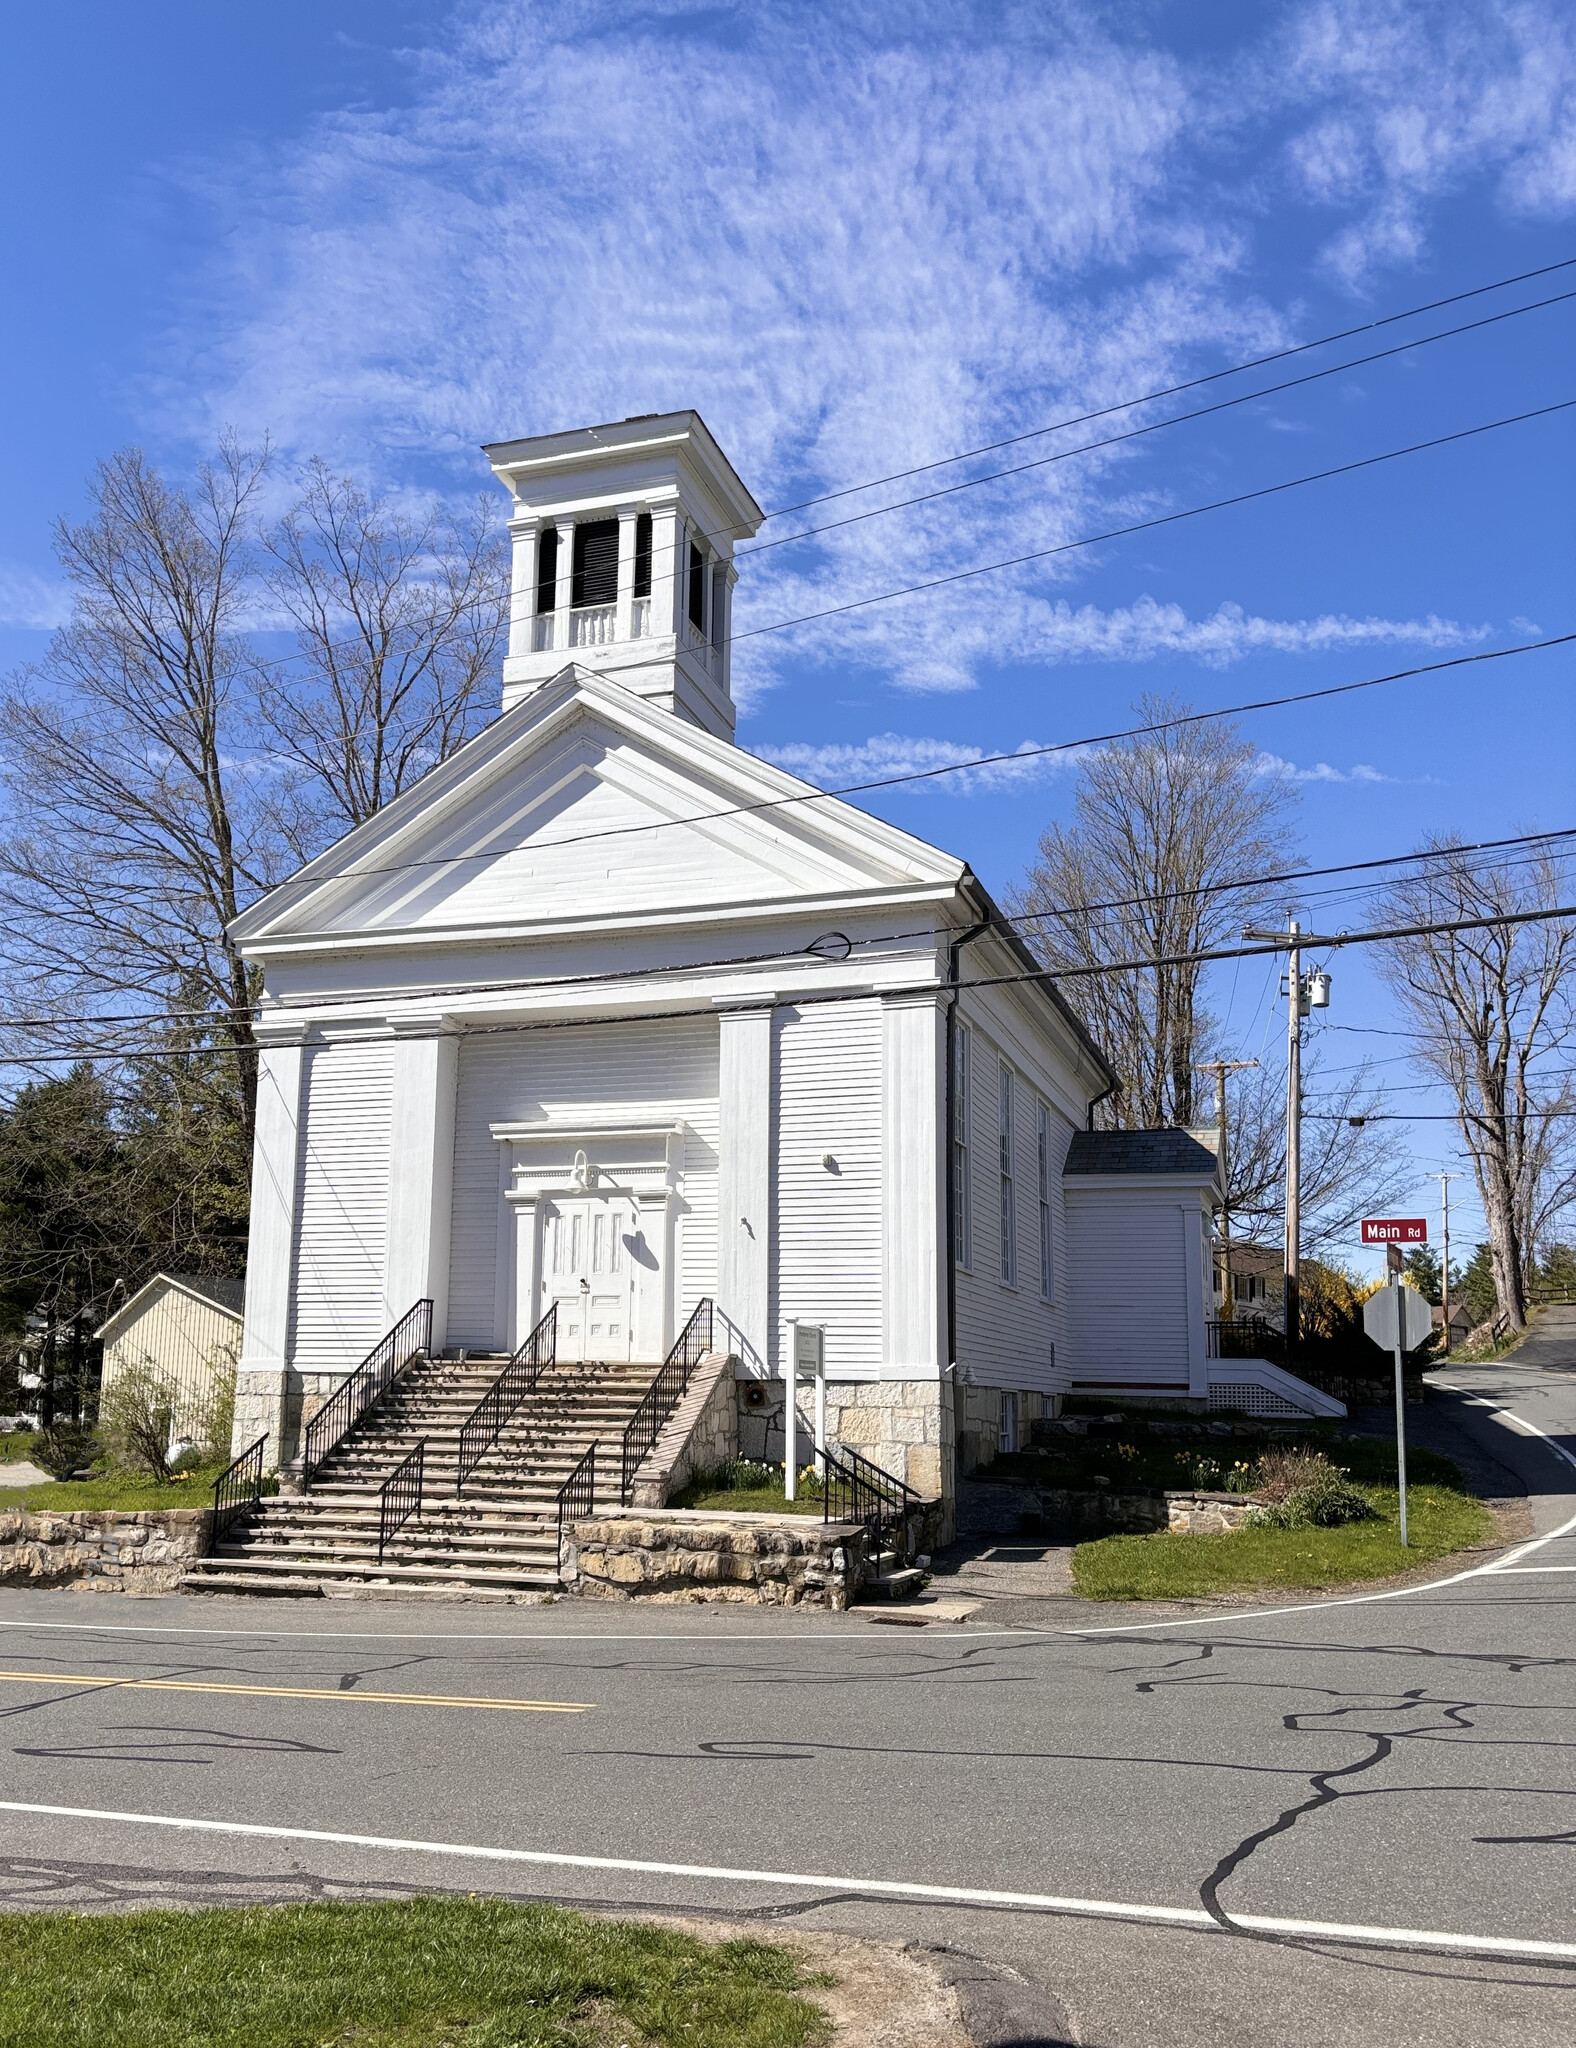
x: 1444, y: 1180
x: 1302, y: 995
x: 1220, y: 1069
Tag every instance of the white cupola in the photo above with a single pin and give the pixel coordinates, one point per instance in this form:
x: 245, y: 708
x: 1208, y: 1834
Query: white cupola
x: 623, y: 560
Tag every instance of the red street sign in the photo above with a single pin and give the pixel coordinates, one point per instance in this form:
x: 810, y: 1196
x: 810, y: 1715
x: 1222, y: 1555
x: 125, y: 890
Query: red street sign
x: 1395, y: 1230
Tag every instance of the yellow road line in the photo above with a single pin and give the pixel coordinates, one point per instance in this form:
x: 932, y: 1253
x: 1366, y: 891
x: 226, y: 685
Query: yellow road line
x: 297, y: 1692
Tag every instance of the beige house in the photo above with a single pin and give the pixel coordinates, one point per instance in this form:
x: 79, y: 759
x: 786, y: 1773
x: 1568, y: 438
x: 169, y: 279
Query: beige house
x: 188, y: 1327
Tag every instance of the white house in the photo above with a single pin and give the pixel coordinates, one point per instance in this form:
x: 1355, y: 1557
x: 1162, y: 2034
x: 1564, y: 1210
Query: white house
x: 605, y: 1012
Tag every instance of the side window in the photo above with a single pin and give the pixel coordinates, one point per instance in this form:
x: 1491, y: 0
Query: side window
x: 962, y: 1232
x: 1009, y: 1207
x: 1043, y: 1164
x: 697, y: 588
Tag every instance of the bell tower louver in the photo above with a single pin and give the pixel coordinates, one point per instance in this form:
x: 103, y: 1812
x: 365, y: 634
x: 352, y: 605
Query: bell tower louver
x: 623, y: 540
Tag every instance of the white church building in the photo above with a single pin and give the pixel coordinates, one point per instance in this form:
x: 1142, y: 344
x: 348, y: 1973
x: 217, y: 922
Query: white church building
x: 606, y: 1013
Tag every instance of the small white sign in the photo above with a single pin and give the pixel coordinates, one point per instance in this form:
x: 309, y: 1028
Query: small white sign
x: 809, y: 1344
x: 1397, y: 1315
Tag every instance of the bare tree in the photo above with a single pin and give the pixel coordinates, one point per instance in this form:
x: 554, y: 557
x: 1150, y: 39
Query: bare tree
x: 1169, y: 826
x: 1352, y: 1164
x: 398, y: 622
x: 1492, y: 1008
x: 135, y: 839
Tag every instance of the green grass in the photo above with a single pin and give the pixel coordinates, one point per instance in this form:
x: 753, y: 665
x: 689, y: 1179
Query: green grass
x: 422, y: 1973
x: 1143, y: 1463
x: 1166, y: 1567
x: 16, y: 1445
x: 122, y: 1490
x: 748, y: 1500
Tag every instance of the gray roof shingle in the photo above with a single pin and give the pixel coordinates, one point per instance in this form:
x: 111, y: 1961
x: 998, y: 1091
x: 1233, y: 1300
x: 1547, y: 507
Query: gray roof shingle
x: 1163, y: 1151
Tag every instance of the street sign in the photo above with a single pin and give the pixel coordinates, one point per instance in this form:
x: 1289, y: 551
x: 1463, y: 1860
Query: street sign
x: 1397, y: 1317
x: 1395, y: 1230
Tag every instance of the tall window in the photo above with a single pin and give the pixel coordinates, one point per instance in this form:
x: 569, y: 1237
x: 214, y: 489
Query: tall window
x: 961, y: 1232
x: 594, y: 578
x: 1007, y: 1439
x: 1047, y: 1275
x: 697, y: 588
x: 719, y: 591
x: 1009, y: 1210
x: 642, y: 554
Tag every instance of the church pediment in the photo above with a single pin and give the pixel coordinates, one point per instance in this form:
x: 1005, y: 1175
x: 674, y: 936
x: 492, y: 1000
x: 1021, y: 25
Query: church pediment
x: 585, y: 805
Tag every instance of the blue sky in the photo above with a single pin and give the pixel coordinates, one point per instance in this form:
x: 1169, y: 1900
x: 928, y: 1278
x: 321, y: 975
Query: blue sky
x: 859, y: 238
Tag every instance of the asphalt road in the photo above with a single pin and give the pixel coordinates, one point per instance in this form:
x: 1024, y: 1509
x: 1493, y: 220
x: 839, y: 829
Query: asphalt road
x: 1401, y: 1764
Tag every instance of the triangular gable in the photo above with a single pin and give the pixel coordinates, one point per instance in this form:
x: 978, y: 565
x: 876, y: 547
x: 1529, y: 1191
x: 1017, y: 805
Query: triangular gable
x: 583, y: 803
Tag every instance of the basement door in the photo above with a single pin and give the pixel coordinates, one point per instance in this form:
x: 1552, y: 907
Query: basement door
x: 588, y: 1272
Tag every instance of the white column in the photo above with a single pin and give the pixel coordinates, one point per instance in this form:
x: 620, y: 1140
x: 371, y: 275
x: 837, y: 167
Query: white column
x: 522, y: 583
x: 725, y: 652
x: 421, y: 1177
x: 666, y: 536
x: 656, y: 1320
x: 744, y: 1180
x: 262, y: 1377
x: 527, y: 1264
x: 623, y: 626
x: 566, y: 581
x: 913, y: 1186
x: 1193, y: 1249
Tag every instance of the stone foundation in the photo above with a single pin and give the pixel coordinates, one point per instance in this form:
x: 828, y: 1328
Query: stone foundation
x: 1209, y: 1514
x: 103, y: 1552
x: 685, y: 1554
x: 701, y: 1434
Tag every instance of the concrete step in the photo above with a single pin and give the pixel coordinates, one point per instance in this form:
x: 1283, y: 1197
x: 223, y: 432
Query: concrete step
x: 894, y: 1585
x: 266, y: 1570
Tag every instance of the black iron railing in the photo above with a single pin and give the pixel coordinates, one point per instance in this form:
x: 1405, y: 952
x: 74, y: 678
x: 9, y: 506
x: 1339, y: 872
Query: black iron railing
x: 854, y: 1489
x: 410, y: 1339
x: 479, y: 1431
x: 399, y: 1497
x: 238, y: 1488
x: 666, y: 1392
x: 576, y: 1497
x: 1245, y: 1337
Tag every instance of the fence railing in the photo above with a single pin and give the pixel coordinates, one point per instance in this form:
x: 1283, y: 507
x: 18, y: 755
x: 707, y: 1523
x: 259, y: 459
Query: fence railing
x: 592, y: 625
x: 576, y: 1497
x: 410, y: 1339
x: 664, y: 1395
x: 855, y: 1489
x: 399, y: 1497
x: 1245, y: 1337
x: 238, y: 1488
x: 480, y: 1429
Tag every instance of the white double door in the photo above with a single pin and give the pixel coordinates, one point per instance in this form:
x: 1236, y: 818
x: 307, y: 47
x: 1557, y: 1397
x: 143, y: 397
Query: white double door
x: 590, y: 1274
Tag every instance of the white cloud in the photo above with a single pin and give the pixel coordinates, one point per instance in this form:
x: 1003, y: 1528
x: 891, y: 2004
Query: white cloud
x: 889, y: 755
x: 31, y: 601
x: 1321, y: 771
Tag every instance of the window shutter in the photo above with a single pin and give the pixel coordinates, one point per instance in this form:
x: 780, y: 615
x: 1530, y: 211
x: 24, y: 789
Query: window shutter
x: 547, y: 570
x: 596, y: 563
x: 643, y: 554
x: 697, y: 587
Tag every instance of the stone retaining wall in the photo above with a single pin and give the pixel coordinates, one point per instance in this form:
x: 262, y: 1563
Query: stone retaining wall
x: 1208, y: 1514
x: 701, y: 1434
x: 102, y: 1552
x: 686, y: 1554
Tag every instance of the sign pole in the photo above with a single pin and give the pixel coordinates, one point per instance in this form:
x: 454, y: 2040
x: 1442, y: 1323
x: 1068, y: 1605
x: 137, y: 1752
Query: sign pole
x: 1400, y: 1408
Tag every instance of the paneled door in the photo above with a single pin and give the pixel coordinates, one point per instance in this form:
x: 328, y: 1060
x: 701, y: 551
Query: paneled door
x: 587, y: 1270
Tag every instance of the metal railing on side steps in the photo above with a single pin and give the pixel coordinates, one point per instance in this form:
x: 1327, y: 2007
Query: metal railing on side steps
x: 855, y: 1489
x: 410, y: 1339
x: 481, y: 1428
x: 399, y: 1497
x: 238, y: 1488
x: 576, y: 1497
x: 664, y: 1395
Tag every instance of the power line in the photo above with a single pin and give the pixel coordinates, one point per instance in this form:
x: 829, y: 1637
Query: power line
x: 812, y: 999
x: 1153, y: 426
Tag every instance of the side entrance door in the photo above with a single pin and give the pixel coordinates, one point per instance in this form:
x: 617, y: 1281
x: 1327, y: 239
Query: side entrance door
x: 588, y: 1272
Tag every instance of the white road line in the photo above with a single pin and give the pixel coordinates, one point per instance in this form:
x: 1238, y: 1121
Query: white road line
x: 334, y: 1635
x: 796, y: 1880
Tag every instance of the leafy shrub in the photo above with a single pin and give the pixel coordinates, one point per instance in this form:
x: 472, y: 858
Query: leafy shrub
x: 1305, y: 1491
x: 192, y: 1459
x: 63, y: 1448
x: 137, y: 1418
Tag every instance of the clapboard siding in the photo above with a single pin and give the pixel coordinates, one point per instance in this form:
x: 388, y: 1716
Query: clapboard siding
x: 1008, y: 1336
x: 658, y: 1072
x: 342, y: 1202
x: 187, y: 1340
x: 1129, y: 1308
x: 827, y: 1267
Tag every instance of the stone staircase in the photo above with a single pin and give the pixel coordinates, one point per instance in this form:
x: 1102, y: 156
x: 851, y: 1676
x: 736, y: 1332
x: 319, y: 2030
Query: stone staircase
x: 498, y: 1538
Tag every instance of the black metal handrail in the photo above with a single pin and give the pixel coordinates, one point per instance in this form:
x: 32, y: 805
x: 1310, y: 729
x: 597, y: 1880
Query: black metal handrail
x: 577, y: 1496
x: 855, y: 1489
x: 664, y: 1395
x: 399, y: 1497
x: 1244, y: 1337
x: 480, y: 1430
x: 410, y: 1339
x: 238, y: 1488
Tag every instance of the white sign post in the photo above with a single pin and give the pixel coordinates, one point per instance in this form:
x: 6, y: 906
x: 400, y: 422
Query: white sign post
x: 806, y: 1348
x: 1398, y: 1319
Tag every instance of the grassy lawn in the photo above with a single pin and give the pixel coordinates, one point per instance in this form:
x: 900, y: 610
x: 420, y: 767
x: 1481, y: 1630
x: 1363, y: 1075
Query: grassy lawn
x: 16, y: 1446
x: 122, y: 1490
x: 746, y: 1500
x: 1165, y: 1567
x: 423, y: 1973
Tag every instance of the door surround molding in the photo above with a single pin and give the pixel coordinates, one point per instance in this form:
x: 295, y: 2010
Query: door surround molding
x: 562, y: 1156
